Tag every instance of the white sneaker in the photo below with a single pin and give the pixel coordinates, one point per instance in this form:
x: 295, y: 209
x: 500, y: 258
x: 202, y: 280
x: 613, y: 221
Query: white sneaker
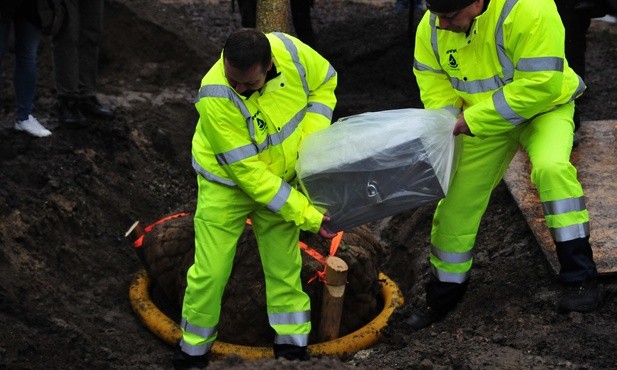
x: 32, y: 126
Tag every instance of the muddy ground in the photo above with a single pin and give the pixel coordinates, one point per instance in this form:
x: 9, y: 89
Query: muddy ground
x: 67, y: 200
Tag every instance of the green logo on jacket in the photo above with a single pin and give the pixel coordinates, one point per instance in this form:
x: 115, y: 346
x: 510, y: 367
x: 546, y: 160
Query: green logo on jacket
x: 451, y: 60
x: 261, y: 124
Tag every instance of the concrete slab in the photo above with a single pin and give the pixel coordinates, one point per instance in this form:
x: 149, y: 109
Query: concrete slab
x: 596, y: 161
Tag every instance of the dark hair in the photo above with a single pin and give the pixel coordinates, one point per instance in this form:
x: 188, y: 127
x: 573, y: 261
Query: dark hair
x: 246, y: 47
x: 447, y: 6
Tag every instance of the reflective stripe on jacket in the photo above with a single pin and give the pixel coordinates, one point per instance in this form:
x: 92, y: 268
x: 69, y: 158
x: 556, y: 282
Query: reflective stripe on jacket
x: 503, y: 72
x: 253, y: 142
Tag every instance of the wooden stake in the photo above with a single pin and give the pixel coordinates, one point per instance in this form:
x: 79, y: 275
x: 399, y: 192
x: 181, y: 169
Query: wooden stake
x: 135, y: 231
x: 333, y: 297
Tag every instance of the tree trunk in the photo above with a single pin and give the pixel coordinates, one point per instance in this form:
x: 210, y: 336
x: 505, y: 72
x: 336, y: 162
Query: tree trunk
x: 273, y: 15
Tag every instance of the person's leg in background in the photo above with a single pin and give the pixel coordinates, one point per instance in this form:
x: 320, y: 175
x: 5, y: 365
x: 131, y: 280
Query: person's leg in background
x: 248, y: 13
x: 576, y: 22
x: 301, y: 18
x: 27, y: 38
x: 5, y: 30
x: 90, y: 35
x: 66, y: 67
x: 574, y: 56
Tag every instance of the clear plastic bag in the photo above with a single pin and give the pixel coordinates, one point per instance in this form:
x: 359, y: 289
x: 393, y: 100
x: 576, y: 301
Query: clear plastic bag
x: 373, y: 165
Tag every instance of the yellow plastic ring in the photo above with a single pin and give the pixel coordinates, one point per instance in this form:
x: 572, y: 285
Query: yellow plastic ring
x: 169, y: 331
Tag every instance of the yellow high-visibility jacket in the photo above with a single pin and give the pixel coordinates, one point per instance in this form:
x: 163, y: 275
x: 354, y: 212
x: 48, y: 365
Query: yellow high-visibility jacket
x: 503, y: 72
x: 253, y: 142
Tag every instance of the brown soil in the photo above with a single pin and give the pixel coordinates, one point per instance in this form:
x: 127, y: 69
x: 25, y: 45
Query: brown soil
x: 66, y: 201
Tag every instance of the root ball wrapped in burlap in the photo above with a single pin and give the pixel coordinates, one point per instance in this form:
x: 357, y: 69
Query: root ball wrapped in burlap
x: 168, y: 251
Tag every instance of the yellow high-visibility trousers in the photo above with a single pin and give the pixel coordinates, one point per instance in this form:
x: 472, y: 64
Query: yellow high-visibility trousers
x: 220, y: 219
x: 547, y: 139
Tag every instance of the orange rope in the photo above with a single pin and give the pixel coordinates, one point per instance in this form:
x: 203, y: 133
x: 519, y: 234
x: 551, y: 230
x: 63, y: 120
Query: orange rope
x: 334, y: 244
x: 321, y: 275
x: 137, y: 243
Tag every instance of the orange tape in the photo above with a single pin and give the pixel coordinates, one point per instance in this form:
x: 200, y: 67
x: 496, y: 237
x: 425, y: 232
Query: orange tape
x: 137, y: 243
x: 334, y: 244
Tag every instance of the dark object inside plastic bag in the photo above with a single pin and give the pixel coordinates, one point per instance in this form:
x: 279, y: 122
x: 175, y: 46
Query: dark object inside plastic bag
x: 374, y: 165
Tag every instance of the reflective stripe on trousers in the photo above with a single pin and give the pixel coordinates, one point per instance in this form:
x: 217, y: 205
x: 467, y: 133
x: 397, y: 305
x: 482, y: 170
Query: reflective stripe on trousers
x: 219, y: 221
x: 548, y: 141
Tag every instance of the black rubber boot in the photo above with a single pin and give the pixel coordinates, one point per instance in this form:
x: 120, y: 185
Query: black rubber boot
x: 441, y: 298
x: 580, y: 297
x: 291, y: 352
x: 91, y: 106
x: 183, y: 361
x: 425, y: 316
x: 578, y: 272
x: 576, y: 260
x: 69, y: 113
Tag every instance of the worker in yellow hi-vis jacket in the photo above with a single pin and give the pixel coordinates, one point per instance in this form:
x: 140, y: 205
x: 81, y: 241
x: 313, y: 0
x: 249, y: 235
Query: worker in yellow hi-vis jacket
x: 256, y: 104
x: 500, y: 66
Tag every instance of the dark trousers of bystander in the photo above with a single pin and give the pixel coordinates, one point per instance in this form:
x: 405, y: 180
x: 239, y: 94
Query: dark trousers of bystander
x: 76, y: 48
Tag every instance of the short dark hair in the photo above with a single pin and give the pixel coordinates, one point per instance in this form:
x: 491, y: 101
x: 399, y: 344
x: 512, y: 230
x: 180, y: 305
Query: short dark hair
x: 246, y: 47
x: 447, y: 6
